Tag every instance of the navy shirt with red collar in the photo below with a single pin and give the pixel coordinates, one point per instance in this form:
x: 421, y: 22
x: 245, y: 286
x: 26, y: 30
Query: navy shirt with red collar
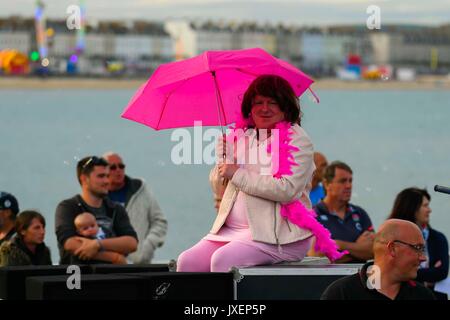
x: 356, y: 287
x: 355, y: 222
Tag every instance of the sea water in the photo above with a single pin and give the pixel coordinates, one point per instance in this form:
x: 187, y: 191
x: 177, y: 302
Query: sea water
x: 391, y: 139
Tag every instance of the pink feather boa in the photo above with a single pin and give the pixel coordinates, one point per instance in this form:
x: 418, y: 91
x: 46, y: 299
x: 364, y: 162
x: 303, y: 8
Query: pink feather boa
x: 295, y: 210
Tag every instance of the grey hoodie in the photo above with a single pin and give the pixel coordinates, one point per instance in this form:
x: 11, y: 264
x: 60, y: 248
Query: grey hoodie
x: 146, y: 218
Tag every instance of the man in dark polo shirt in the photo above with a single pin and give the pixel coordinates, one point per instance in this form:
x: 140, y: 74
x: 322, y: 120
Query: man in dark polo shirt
x: 92, y: 173
x: 349, y: 225
x: 399, y: 249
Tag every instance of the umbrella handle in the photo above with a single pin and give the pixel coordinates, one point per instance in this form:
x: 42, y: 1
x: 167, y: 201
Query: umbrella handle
x: 224, y: 146
x: 224, y: 155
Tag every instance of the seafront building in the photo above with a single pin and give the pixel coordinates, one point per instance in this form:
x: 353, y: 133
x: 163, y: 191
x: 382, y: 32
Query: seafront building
x: 138, y: 47
x: 109, y: 47
x: 423, y: 48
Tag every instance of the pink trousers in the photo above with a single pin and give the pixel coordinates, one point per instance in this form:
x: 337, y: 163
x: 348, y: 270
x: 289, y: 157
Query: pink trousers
x: 214, y: 256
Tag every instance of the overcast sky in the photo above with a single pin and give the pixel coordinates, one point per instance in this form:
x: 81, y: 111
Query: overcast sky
x: 300, y: 12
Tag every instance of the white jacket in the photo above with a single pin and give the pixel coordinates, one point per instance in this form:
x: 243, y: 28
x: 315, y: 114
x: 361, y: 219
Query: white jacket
x: 264, y: 194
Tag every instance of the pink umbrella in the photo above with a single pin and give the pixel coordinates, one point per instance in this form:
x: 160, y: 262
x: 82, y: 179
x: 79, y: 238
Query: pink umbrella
x: 207, y: 88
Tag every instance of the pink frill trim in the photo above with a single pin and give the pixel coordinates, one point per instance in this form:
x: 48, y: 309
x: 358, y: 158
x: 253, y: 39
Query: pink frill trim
x: 296, y: 211
x: 284, y: 157
x: 305, y: 218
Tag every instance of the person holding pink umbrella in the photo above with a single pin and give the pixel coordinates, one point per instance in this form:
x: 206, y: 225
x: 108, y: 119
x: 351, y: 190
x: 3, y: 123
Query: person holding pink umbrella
x: 264, y: 216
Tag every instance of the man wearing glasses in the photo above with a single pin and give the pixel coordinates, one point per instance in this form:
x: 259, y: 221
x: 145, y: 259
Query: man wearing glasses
x: 399, y: 249
x: 145, y: 214
x: 92, y: 173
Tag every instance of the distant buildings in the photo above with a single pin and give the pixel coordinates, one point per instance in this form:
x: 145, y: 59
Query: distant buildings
x: 425, y: 49
x: 140, y: 46
x: 193, y: 38
x: 15, y: 33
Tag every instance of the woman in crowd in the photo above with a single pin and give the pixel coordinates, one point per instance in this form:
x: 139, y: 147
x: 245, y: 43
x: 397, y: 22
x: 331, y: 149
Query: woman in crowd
x: 413, y: 204
x: 27, y: 247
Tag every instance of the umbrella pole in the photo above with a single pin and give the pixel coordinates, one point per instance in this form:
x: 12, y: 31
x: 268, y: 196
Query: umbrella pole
x: 219, y: 106
x: 219, y: 103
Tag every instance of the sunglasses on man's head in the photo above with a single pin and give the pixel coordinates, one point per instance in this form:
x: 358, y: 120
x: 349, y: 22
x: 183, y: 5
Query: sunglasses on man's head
x: 92, y: 160
x: 115, y: 166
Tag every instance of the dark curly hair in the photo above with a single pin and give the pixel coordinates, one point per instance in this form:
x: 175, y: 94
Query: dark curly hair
x: 277, y: 88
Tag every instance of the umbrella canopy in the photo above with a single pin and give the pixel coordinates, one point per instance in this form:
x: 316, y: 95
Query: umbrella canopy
x: 208, y: 88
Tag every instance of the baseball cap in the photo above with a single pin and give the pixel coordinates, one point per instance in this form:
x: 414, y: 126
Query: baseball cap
x: 8, y: 201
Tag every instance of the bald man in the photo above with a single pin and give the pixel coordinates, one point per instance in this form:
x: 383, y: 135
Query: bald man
x: 399, y: 248
x: 145, y: 214
x: 317, y: 192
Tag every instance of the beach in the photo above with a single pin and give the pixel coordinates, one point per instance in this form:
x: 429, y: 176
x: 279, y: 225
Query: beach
x: 421, y: 83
